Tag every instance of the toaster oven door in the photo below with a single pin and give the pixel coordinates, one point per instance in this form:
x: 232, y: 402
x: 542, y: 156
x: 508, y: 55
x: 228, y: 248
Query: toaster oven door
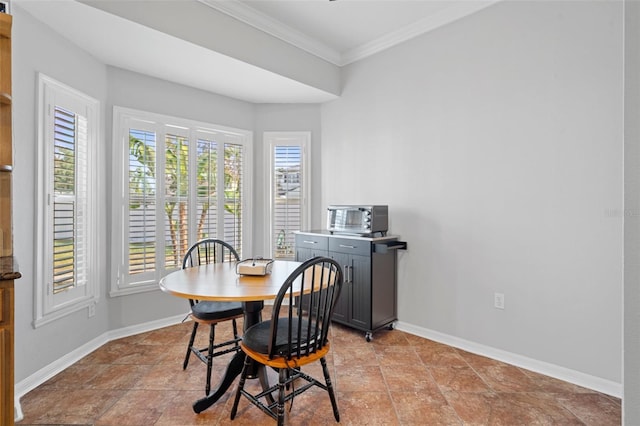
x: 347, y: 219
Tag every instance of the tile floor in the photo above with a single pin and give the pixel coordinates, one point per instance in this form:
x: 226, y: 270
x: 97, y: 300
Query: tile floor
x: 396, y: 379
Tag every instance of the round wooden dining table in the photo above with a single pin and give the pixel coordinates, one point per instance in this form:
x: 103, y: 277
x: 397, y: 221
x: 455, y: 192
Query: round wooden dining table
x: 221, y: 282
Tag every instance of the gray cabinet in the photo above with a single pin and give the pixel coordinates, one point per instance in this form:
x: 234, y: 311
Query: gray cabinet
x: 354, y: 309
x: 368, y: 301
x: 308, y: 246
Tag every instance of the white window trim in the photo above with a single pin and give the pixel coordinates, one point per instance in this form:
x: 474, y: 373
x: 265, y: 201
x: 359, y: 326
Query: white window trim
x: 50, y: 307
x: 121, y: 115
x: 271, y: 139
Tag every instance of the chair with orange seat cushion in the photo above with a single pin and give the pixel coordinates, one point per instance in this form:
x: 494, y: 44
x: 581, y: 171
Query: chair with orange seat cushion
x: 294, y: 337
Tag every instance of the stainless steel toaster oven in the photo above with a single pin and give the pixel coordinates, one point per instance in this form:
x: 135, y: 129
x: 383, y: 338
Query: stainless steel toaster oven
x: 366, y: 220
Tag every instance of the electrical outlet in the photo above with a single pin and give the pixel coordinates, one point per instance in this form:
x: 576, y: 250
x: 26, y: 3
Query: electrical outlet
x: 498, y: 300
x: 92, y: 310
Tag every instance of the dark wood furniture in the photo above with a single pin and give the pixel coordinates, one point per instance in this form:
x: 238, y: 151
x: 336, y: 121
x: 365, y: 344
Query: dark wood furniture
x: 8, y: 269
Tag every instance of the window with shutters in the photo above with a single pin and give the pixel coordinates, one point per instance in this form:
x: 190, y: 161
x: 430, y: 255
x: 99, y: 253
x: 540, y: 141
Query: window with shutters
x: 176, y: 181
x: 67, y: 140
x: 288, y: 167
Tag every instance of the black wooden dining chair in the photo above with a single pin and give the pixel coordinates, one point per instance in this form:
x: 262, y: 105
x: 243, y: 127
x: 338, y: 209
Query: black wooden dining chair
x: 203, y: 252
x: 294, y: 337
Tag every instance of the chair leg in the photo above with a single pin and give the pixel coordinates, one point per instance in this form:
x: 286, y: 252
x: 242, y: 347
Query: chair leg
x: 235, y: 332
x: 212, y: 334
x: 332, y: 395
x: 283, y: 375
x: 191, y: 340
x: 243, y: 378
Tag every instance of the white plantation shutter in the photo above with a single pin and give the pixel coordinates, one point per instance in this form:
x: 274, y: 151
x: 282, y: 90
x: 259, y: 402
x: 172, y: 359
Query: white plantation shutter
x: 224, y: 200
x: 233, y: 190
x: 184, y: 181
x: 67, y: 141
x: 176, y: 199
x: 287, y: 203
x: 206, y: 193
x: 142, y: 203
x: 83, y: 221
x: 64, y: 202
x: 288, y: 165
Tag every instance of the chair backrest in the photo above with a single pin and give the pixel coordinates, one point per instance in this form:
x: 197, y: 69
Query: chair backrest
x: 209, y: 250
x: 303, y: 329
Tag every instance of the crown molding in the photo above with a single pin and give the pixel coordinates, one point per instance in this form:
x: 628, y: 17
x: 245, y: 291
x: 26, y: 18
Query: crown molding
x: 259, y: 20
x: 457, y: 11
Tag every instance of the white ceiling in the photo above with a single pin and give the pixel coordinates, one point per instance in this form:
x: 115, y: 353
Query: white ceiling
x: 344, y: 31
x: 340, y: 32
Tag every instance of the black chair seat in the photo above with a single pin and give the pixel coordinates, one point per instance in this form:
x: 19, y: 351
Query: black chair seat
x: 258, y: 336
x: 211, y: 311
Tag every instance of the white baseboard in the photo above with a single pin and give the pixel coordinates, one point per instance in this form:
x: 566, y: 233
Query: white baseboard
x: 45, y: 373
x: 565, y: 374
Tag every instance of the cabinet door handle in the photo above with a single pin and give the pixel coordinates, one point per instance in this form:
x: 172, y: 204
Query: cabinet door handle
x: 346, y: 246
x: 346, y: 274
x: 310, y: 242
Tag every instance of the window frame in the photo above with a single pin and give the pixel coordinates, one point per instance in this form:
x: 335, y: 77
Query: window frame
x: 50, y: 306
x: 122, y: 282
x: 286, y: 138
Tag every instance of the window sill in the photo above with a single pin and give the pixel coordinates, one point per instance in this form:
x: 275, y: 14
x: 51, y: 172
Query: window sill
x: 145, y: 288
x: 59, y: 313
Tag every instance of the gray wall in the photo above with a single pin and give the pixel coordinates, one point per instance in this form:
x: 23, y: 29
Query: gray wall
x: 35, y: 49
x: 631, y: 401
x: 497, y: 143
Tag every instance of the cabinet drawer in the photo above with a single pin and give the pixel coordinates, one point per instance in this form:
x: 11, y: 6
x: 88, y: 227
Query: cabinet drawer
x: 351, y: 246
x: 315, y: 242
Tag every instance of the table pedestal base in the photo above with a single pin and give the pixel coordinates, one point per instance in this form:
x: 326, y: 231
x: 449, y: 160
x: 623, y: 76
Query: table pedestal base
x: 233, y: 370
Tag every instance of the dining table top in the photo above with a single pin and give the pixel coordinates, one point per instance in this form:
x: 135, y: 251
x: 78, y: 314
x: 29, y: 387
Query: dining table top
x: 221, y: 282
